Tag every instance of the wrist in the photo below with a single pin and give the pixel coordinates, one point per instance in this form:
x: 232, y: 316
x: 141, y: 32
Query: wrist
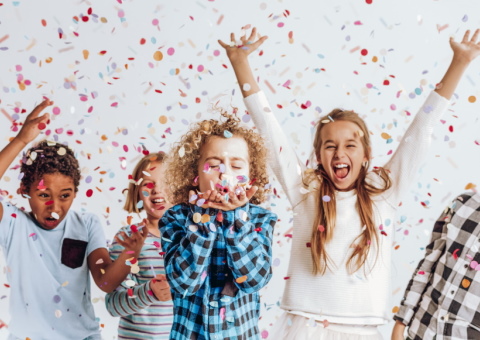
x: 461, y: 60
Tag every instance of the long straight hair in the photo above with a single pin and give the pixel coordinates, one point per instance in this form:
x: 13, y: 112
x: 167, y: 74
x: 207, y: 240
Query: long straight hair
x: 326, y: 211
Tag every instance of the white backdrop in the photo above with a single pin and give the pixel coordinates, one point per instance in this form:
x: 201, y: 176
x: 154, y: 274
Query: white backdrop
x: 115, y: 94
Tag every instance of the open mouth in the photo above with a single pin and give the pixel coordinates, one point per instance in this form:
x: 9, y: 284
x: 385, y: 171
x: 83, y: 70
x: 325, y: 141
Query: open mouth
x: 341, y: 170
x: 159, y: 203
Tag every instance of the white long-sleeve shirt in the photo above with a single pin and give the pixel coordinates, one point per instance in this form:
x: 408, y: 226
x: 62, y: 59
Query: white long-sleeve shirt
x: 338, y: 296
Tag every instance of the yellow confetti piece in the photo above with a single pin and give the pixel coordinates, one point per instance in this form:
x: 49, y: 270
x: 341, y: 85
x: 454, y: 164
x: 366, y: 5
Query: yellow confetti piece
x: 465, y: 283
x: 163, y: 119
x: 158, y: 55
x: 134, y: 269
x: 472, y: 99
x: 65, y: 284
x: 374, y: 59
x: 205, y: 218
x: 85, y: 54
x: 49, y: 60
x: 470, y: 186
x: 395, y: 309
x: 103, y: 20
x: 241, y: 279
x: 197, y: 217
x: 386, y: 135
x: 102, y: 271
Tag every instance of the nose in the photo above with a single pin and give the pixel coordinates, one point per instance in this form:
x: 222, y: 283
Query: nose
x: 156, y: 188
x: 339, y: 152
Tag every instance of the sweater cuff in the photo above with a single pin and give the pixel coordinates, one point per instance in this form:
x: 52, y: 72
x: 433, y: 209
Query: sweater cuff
x: 257, y: 99
x: 404, y: 315
x: 146, y: 294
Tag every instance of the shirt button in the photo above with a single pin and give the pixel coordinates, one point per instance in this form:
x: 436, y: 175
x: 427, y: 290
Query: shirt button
x: 453, y: 292
x: 465, y: 266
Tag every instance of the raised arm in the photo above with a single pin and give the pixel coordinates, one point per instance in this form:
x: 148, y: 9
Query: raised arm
x: 249, y: 245
x: 109, y: 274
x: 463, y: 53
x: 413, y: 148
x: 34, y: 123
x: 283, y: 160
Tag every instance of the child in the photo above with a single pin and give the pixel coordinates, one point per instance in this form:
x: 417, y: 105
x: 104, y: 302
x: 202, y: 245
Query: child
x: 339, y: 271
x: 144, y: 303
x: 442, y: 299
x: 218, y: 247
x: 50, y: 251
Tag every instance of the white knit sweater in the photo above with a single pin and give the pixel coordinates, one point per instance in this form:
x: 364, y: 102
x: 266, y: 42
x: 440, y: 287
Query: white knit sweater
x: 338, y: 296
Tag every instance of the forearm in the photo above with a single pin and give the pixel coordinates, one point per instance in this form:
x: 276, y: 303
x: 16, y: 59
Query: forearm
x: 123, y: 303
x: 186, y: 262
x: 8, y: 154
x: 452, y: 77
x: 398, y: 331
x: 245, y: 78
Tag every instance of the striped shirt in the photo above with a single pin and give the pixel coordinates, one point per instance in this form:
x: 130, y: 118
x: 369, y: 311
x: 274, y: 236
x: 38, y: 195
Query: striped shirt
x: 215, y: 267
x: 142, y: 316
x: 443, y: 297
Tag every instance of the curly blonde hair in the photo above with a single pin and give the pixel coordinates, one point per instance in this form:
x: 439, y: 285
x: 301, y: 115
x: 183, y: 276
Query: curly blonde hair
x: 182, y: 164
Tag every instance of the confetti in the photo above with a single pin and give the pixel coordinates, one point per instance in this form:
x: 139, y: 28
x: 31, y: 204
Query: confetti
x: 241, y: 279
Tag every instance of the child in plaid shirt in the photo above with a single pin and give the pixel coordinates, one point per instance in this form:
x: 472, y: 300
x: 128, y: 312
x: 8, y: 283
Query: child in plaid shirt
x: 442, y: 300
x: 217, y: 244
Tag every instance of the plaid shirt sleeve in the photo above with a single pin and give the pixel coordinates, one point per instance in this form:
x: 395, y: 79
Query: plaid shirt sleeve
x: 422, y: 275
x: 249, y: 245
x: 186, y: 250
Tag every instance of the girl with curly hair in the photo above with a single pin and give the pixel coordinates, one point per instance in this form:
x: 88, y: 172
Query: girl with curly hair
x: 217, y: 241
x: 52, y: 250
x: 340, y: 263
x: 145, y: 308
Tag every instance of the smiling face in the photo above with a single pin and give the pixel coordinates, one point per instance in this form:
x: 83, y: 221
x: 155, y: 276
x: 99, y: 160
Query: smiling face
x: 342, y: 153
x: 221, y: 161
x: 50, y: 199
x: 153, y: 191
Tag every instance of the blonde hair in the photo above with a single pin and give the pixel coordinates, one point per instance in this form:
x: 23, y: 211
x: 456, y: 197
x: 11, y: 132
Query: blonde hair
x: 183, y: 160
x: 133, y: 194
x: 326, y: 212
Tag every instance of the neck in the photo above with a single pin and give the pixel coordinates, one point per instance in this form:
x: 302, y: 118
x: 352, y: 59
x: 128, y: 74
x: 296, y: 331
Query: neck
x: 152, y: 226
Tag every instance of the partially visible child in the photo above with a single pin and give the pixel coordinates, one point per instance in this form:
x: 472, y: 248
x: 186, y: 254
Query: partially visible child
x: 442, y: 300
x: 144, y: 302
x: 218, y: 245
x: 51, y: 250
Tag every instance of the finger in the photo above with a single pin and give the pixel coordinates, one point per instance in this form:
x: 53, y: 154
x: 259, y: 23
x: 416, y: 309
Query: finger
x: 465, y: 36
x: 475, y: 36
x: 223, y: 44
x: 160, y: 277
x: 253, y: 34
x: 251, y: 192
x: 232, y: 39
x: 39, y: 108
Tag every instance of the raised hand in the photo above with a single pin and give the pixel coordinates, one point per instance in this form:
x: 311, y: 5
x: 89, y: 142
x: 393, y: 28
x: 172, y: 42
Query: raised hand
x: 248, y: 45
x: 34, y: 123
x: 467, y: 49
x: 136, y: 240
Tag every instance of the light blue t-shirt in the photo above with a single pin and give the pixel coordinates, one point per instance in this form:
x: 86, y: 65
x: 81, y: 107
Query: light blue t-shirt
x: 49, y: 276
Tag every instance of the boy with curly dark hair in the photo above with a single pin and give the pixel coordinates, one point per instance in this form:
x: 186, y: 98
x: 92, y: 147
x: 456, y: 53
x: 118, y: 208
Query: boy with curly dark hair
x: 51, y: 250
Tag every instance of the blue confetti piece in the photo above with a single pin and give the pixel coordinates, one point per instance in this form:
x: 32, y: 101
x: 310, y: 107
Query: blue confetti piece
x: 227, y: 134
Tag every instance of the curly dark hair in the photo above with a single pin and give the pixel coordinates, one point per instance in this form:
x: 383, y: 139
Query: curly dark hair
x: 49, y: 157
x: 182, y: 165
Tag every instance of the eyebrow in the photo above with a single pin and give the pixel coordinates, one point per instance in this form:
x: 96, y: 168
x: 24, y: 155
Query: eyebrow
x: 66, y: 189
x: 348, y: 141
x: 220, y: 159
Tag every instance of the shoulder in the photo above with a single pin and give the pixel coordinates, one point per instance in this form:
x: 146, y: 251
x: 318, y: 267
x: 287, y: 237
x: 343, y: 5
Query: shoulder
x: 467, y: 199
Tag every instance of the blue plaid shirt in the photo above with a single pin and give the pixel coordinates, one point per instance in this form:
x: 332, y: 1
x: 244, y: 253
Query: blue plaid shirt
x: 215, y: 268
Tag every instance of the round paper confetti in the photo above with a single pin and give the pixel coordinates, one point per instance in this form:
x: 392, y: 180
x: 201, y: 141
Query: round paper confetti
x: 241, y: 279
x: 193, y: 228
x: 158, y: 55
x: 197, y: 217
x: 472, y: 99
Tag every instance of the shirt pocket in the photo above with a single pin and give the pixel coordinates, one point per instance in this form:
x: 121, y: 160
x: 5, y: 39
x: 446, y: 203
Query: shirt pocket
x: 73, y: 252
